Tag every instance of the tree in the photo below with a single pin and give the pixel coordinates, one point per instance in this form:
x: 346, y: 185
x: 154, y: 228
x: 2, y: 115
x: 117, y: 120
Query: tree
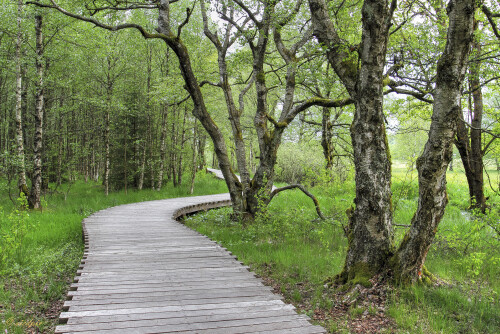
x: 21, y: 183
x: 371, y: 248
x: 268, y: 140
x: 36, y: 183
x: 468, y: 141
x: 433, y: 163
x: 370, y: 222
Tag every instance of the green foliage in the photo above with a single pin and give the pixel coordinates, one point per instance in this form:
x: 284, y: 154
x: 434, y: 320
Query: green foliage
x: 298, y: 162
x: 444, y: 310
x: 13, y: 230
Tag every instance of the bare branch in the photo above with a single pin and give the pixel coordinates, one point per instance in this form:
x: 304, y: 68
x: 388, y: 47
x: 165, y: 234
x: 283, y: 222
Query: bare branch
x: 244, y: 91
x: 141, y: 29
x: 249, y: 12
x: 490, y: 16
x: 95, y: 10
x: 180, y: 102
x: 303, y: 189
x: 316, y: 101
x: 206, y: 82
x: 188, y: 16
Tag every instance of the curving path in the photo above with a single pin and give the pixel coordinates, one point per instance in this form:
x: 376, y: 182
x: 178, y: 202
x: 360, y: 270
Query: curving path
x: 143, y: 272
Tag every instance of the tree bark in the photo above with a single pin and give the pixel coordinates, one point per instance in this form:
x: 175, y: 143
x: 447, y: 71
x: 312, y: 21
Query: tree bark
x: 107, y: 131
x: 370, y: 241
x: 163, y: 145
x: 370, y: 225
x: 36, y: 184
x: 194, y: 165
x: 21, y: 168
x: 478, y: 200
x: 432, y: 164
x: 183, y: 137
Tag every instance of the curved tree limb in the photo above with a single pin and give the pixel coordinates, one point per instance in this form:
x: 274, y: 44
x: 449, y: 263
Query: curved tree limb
x: 303, y: 189
x: 316, y: 101
x: 490, y: 16
x: 99, y: 24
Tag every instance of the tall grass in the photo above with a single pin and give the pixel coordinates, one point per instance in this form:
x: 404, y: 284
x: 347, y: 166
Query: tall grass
x: 36, y: 267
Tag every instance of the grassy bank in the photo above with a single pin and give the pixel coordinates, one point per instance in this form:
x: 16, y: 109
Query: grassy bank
x: 40, y: 251
x: 296, y: 253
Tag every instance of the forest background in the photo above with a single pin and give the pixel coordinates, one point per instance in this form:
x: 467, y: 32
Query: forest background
x: 92, y: 118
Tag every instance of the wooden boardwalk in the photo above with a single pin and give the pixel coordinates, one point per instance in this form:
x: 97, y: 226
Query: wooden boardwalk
x: 143, y: 272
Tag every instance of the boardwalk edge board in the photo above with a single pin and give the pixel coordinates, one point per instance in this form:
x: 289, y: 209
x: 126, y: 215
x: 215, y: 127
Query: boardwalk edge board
x: 143, y: 271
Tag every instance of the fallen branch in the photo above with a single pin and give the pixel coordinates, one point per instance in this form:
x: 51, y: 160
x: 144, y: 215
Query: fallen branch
x: 301, y: 187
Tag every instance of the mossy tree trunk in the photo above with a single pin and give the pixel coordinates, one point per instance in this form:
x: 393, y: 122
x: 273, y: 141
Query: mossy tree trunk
x: 408, y: 262
x: 370, y: 241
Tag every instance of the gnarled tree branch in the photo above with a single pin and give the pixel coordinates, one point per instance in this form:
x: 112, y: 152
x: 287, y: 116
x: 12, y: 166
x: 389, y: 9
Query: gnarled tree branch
x: 303, y: 189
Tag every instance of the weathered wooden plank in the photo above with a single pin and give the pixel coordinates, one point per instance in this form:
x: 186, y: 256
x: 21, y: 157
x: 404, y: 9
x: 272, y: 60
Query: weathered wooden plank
x: 217, y: 294
x: 113, y: 280
x: 179, y: 324
x: 168, y: 308
x: 229, y: 326
x: 173, y: 319
x: 131, y: 303
x: 186, y: 314
x: 154, y: 288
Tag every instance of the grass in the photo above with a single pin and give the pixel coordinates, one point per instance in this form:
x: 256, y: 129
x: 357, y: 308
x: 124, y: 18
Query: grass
x: 296, y: 253
x: 40, y: 251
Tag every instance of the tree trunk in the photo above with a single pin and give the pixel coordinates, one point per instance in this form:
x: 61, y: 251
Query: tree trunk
x: 125, y: 162
x: 36, y: 185
x: 468, y: 142
x: 163, y: 135
x: 173, y: 150
x: 143, y: 166
x: 202, y: 139
x: 234, y: 113
x: 163, y: 146
x: 183, y: 137
x: 370, y: 224
x: 107, y: 139
x: 326, y: 137
x: 478, y: 200
x: 194, y: 165
x: 199, y: 110
x: 21, y: 168
x: 432, y: 164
